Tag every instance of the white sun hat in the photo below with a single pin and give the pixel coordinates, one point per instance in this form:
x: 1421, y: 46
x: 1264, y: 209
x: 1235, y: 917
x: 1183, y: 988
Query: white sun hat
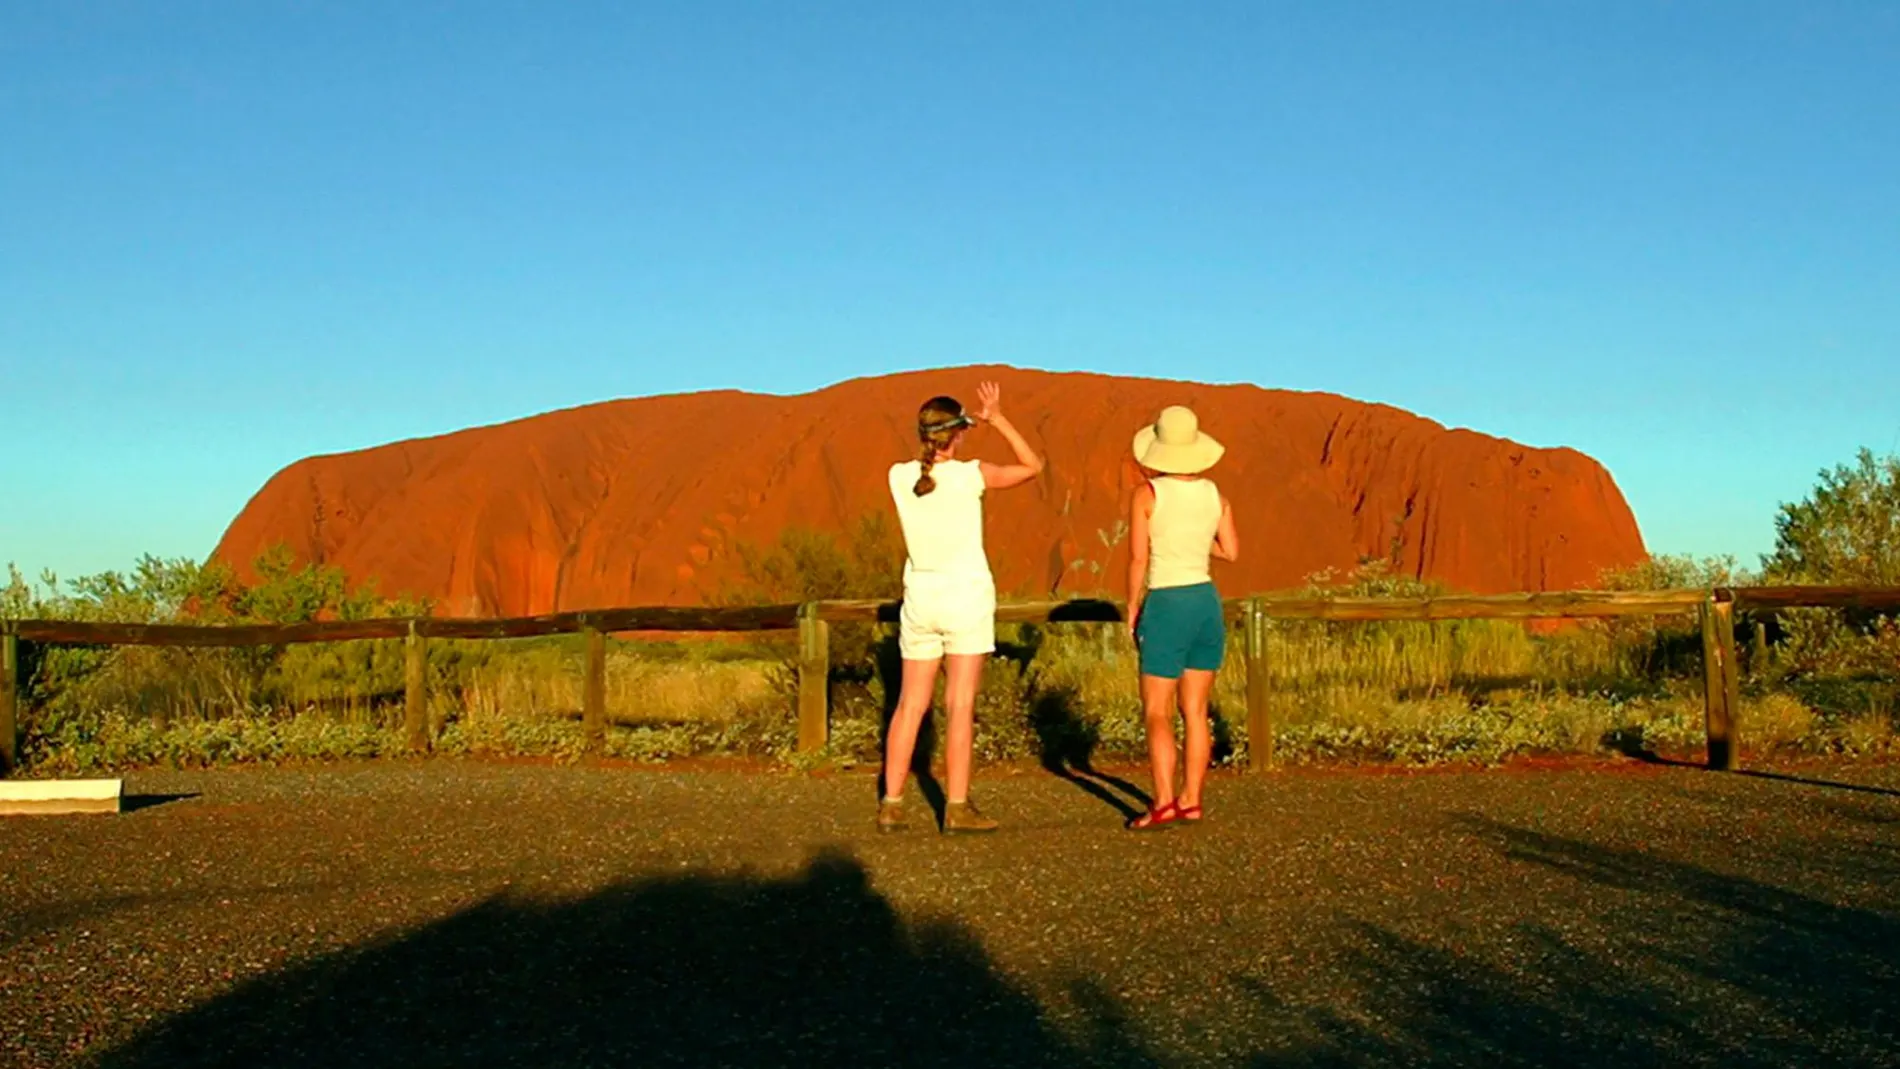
x: 1175, y: 445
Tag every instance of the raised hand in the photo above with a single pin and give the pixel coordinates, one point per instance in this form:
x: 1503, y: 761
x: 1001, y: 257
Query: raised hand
x: 989, y: 398
x: 1028, y: 465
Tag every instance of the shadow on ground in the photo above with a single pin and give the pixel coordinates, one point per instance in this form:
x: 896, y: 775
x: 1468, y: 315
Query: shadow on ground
x: 1835, y: 785
x: 1065, y: 745
x: 1630, y: 743
x: 132, y: 803
x: 696, y: 970
x: 1703, y: 968
x: 1634, y: 958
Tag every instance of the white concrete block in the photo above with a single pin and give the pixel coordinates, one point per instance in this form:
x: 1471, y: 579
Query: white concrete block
x: 44, y: 797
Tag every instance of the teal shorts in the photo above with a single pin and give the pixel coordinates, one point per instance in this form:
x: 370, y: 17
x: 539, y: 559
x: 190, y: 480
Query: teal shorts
x: 1181, y: 628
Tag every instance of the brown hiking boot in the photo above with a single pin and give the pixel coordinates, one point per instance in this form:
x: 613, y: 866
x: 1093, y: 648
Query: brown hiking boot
x: 890, y: 815
x: 961, y: 818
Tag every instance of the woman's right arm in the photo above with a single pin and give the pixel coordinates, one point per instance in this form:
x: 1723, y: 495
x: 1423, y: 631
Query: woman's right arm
x: 1028, y: 465
x: 1139, y: 512
x: 1226, y: 538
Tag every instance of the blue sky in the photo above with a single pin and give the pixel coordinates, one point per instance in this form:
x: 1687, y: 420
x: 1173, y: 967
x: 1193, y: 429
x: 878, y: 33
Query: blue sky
x: 235, y: 234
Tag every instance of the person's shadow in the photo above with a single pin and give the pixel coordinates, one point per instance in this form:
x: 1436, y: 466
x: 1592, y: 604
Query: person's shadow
x: 1067, y: 742
x: 815, y: 969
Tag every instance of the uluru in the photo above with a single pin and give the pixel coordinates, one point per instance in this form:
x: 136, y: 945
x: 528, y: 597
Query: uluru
x: 641, y: 501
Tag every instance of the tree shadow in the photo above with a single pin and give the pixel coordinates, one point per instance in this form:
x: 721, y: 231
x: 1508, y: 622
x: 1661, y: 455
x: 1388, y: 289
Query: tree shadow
x: 1690, y: 967
x: 1066, y: 746
x: 699, y: 970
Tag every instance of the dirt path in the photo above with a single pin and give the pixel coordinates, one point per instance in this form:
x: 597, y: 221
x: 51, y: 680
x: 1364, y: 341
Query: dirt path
x: 447, y: 913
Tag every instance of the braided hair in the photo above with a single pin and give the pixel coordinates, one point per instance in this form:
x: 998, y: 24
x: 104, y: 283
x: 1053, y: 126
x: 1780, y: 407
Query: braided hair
x: 938, y: 423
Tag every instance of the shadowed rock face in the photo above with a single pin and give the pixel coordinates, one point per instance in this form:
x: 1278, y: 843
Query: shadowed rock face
x: 640, y: 501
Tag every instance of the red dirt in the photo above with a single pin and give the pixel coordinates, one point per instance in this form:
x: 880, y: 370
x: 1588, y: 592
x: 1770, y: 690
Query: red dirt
x: 641, y: 501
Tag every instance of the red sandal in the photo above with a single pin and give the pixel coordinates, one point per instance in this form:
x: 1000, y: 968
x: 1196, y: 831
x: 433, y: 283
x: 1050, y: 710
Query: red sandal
x: 1189, y: 813
x: 1156, y: 819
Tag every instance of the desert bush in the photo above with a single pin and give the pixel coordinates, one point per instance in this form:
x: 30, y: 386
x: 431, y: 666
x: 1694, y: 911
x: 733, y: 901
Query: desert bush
x: 1843, y: 665
x: 115, y: 740
x: 1846, y: 531
x: 809, y: 564
x: 73, y: 688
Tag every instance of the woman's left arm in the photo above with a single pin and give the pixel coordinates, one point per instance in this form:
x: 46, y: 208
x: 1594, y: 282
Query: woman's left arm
x: 1226, y: 537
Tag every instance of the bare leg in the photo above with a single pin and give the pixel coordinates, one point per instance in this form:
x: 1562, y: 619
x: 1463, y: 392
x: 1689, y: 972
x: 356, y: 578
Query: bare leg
x: 1157, y: 703
x: 913, y: 701
x: 963, y: 673
x: 1196, y: 687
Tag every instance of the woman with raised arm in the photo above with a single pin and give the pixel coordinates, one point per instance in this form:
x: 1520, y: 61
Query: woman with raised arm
x: 949, y: 615
x: 1177, y: 521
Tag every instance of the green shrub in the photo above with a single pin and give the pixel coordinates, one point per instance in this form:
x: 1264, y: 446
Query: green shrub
x: 1847, y: 531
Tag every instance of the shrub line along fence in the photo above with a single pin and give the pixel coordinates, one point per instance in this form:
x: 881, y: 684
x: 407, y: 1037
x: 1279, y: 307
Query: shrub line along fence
x: 1716, y: 607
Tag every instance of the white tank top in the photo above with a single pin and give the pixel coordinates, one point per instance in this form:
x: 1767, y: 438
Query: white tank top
x: 943, y: 530
x: 1181, y: 531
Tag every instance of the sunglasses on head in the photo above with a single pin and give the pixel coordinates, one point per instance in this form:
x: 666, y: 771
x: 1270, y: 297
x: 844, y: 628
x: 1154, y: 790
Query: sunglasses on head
x: 951, y: 424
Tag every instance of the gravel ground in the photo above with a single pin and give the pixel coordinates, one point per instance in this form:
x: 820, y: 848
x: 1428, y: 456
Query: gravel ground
x: 465, y: 913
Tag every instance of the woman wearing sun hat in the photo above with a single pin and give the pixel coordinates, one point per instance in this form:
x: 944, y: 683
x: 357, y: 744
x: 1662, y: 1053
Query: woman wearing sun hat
x: 1177, y: 522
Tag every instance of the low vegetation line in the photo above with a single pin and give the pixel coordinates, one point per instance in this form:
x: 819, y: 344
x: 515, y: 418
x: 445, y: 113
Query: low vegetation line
x: 1672, y: 657
x: 812, y: 672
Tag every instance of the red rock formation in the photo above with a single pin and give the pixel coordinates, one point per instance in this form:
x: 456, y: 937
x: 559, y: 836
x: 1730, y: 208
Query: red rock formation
x: 638, y: 502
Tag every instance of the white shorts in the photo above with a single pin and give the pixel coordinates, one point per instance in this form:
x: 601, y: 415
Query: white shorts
x: 955, y: 617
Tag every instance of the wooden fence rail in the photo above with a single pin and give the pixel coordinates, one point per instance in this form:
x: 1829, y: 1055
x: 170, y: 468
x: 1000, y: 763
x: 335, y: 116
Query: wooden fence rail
x: 1715, y: 608
x: 78, y: 633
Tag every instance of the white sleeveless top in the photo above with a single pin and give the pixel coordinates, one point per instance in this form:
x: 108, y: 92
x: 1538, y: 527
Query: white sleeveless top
x: 943, y: 530
x: 1181, y: 531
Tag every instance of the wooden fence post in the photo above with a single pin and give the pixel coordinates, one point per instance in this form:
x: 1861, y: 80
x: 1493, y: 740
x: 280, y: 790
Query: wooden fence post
x: 814, y: 679
x: 594, y: 689
x: 1721, y: 684
x: 9, y: 701
x: 1259, y: 717
x: 415, y: 688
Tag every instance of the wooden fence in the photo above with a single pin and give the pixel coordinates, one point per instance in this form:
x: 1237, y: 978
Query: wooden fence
x: 1716, y: 608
